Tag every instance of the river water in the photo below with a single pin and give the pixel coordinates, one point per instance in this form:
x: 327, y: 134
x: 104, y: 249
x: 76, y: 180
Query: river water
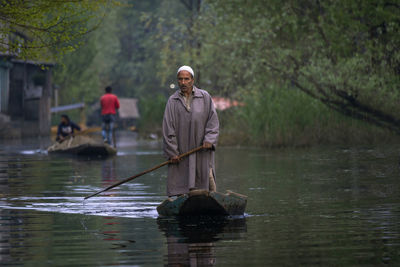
x: 325, y: 206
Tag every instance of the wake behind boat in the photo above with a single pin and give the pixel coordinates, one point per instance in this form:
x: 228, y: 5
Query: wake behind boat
x: 83, y: 146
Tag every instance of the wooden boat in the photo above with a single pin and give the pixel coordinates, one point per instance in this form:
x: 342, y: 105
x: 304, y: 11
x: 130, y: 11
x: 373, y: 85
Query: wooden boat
x: 82, y: 146
x: 203, y: 202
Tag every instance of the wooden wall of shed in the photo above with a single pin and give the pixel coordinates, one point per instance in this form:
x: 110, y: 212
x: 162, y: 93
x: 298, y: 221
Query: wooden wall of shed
x: 31, y: 112
x: 44, y: 107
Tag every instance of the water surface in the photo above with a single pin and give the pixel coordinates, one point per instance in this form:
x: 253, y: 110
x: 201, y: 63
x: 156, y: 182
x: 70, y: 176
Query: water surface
x: 315, y: 206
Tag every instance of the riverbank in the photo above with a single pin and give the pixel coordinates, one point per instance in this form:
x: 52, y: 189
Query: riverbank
x: 289, y: 118
x: 17, y: 129
x: 337, y: 130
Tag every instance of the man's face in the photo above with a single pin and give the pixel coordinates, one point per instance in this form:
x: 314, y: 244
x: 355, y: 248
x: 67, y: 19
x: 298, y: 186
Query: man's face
x: 185, y: 81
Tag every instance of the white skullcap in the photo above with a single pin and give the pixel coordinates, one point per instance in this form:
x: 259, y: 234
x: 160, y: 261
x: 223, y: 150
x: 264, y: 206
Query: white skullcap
x: 187, y: 68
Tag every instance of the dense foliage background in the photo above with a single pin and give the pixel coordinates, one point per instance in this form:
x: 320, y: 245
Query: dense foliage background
x: 44, y: 30
x: 307, y: 71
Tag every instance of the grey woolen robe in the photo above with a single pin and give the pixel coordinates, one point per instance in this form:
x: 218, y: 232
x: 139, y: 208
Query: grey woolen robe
x: 183, y: 130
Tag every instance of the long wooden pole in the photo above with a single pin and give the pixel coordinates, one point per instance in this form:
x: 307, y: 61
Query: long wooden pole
x: 146, y: 171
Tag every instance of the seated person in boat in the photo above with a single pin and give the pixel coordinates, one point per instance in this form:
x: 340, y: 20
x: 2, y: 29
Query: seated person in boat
x: 190, y: 121
x: 66, y: 128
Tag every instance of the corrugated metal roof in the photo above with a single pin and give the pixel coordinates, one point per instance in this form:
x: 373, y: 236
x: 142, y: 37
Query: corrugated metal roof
x: 67, y: 107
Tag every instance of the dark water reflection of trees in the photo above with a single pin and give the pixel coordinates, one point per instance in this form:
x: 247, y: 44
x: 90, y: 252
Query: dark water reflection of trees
x: 191, y: 241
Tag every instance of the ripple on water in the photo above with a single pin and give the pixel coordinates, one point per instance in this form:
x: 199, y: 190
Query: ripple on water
x: 103, y: 206
x: 130, y: 204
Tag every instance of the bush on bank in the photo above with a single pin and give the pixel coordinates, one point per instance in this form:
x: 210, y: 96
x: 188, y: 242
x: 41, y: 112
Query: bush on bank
x: 287, y: 117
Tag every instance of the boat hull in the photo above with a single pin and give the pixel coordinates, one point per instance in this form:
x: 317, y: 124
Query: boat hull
x: 88, y: 150
x: 202, y: 202
x: 82, y: 146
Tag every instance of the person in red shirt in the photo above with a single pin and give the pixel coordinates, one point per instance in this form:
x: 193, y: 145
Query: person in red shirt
x: 109, y: 105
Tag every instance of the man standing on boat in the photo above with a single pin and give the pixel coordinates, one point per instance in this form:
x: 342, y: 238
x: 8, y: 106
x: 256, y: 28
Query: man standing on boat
x: 109, y: 105
x: 190, y: 121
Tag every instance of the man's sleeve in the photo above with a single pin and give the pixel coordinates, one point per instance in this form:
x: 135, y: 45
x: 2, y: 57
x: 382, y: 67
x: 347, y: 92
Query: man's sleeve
x: 76, y: 126
x: 116, y: 103
x: 59, y: 130
x: 211, y: 131
x: 169, y: 133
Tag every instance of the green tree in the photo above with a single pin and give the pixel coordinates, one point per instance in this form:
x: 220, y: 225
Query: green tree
x: 298, y: 65
x: 31, y: 29
x: 343, y: 53
x: 121, y: 53
x: 83, y: 74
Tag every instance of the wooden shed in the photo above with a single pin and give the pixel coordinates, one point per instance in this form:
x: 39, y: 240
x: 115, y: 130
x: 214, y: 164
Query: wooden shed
x: 128, y: 112
x: 25, y: 95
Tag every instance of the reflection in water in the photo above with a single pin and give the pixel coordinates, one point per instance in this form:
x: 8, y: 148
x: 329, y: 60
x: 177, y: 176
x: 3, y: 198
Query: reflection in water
x: 109, y: 172
x: 4, y: 226
x: 5, y: 230
x: 191, y: 240
x: 113, y: 232
x: 111, y: 235
x: 320, y: 206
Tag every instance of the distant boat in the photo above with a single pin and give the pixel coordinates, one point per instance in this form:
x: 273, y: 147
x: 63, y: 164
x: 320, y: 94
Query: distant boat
x: 203, y: 202
x: 82, y: 146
